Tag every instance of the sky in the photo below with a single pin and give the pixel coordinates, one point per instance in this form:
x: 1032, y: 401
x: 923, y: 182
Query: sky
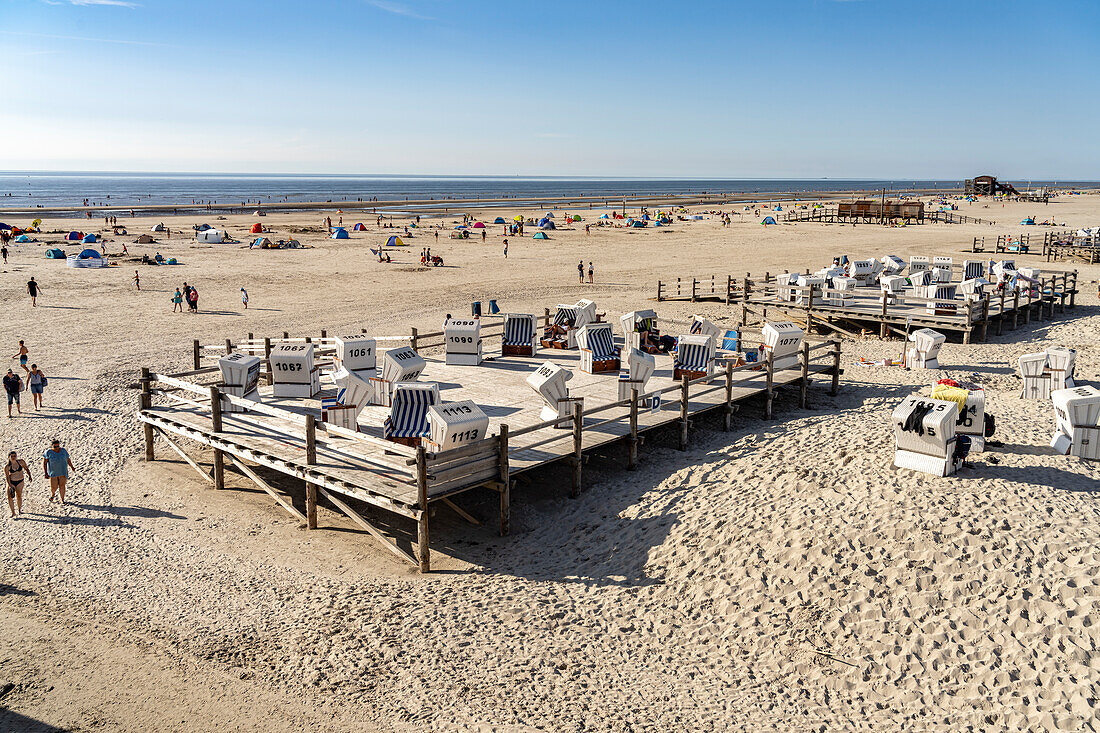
x: 781, y: 89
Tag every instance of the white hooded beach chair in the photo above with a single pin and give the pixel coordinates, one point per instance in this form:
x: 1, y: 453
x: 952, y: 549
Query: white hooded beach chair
x: 694, y: 357
x: 454, y: 424
x: 925, y: 351
x: 241, y: 378
x: 639, y: 368
x: 1033, y: 371
x: 398, y: 365
x: 462, y: 341
x: 1060, y: 364
x: 1077, y: 416
x: 924, y: 435
x: 893, y: 265
x: 549, y: 381
x: 293, y: 371
x: 783, y: 339
x: 640, y: 330
x: 358, y: 354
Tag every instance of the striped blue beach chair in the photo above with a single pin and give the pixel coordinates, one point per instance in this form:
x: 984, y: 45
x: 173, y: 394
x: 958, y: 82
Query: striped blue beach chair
x: 559, y: 334
x: 694, y: 357
x: 408, y: 420
x: 519, y: 335
x: 597, y: 346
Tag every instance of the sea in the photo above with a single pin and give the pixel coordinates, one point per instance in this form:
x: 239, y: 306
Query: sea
x: 20, y: 189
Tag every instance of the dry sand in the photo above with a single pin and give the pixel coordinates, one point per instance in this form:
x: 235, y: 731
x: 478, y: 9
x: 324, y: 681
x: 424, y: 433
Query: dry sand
x: 780, y: 577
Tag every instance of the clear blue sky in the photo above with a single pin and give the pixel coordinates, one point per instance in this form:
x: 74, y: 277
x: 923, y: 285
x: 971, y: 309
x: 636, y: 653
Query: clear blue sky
x: 799, y: 88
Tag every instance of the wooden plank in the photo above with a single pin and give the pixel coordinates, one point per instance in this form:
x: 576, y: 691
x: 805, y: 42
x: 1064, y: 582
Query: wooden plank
x: 266, y: 487
x: 368, y: 527
x: 172, y: 444
x: 462, y: 512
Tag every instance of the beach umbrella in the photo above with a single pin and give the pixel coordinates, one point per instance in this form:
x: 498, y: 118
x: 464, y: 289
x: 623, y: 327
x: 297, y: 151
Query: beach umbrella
x: 518, y: 218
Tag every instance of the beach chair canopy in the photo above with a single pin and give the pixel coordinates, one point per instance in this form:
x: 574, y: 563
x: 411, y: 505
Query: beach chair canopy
x: 540, y: 235
x: 519, y: 329
x: 394, y: 241
x: 565, y: 315
x: 74, y: 236
x: 340, y: 233
x: 768, y: 220
x: 694, y: 353
x: 498, y: 220
x: 409, y: 410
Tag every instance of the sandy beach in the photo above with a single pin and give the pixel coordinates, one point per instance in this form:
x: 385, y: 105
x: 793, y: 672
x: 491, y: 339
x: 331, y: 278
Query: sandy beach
x: 780, y: 577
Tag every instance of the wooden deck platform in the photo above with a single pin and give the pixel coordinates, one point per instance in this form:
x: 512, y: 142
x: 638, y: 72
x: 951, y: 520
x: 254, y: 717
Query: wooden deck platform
x: 286, y: 435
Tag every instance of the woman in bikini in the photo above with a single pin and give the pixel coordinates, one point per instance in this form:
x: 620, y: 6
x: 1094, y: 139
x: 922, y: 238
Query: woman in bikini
x: 16, y: 475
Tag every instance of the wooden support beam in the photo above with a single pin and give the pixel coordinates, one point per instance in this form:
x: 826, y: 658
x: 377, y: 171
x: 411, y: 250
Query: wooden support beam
x: 804, y: 383
x: 267, y: 488
x: 423, y: 554
x: 311, y: 460
x: 462, y: 512
x: 145, y: 402
x: 367, y: 526
x: 727, y: 408
x: 632, y: 444
x: 196, y: 353
x: 505, y: 482
x: 578, y: 447
x: 769, y: 390
x: 685, y: 382
x: 172, y: 444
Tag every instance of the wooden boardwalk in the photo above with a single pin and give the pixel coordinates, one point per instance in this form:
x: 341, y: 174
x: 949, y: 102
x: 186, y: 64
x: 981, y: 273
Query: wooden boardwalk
x: 286, y: 435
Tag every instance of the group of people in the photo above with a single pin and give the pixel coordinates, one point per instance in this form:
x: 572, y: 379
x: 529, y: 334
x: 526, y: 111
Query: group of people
x: 190, y: 296
x: 14, y: 384
x: 56, y: 464
x: 580, y: 271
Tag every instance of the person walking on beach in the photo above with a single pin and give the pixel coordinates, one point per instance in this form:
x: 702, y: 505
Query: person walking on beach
x: 193, y: 300
x: 23, y: 355
x: 32, y: 290
x: 244, y: 298
x: 56, y: 464
x: 36, y: 381
x: 589, y: 272
x: 137, y: 280
x: 4, y: 252
x: 505, y: 249
x: 580, y: 272
x: 13, y: 385
x: 177, y: 301
x: 16, y: 476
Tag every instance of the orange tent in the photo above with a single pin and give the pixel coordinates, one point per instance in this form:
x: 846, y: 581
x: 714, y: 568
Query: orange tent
x: 257, y: 228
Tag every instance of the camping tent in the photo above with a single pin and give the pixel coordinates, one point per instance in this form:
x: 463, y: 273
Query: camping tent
x: 394, y: 241
x: 768, y: 220
x: 210, y: 236
x: 90, y: 239
x: 540, y: 235
x: 545, y: 223
x: 359, y: 227
x: 604, y: 216
x: 87, y: 258
x: 203, y: 227
x: 498, y: 220
x: 576, y: 218
x: 74, y: 236
x: 257, y: 228
x: 23, y: 238
x: 518, y: 218
x: 55, y: 254
x: 1028, y: 222
x: 157, y: 228
x: 340, y: 233
x: 262, y: 243
x: 144, y: 239
x: 637, y: 223
x: 4, y: 226
x: 479, y: 225
x: 549, y: 215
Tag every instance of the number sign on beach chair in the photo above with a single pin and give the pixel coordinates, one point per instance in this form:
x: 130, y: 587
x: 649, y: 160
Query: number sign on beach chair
x: 597, y: 346
x: 924, y: 435
x: 398, y: 365
x: 519, y: 335
x: 353, y: 393
x: 694, y: 357
x: 894, y: 288
x: 893, y: 265
x: 462, y: 341
x: 945, y: 267
x: 293, y: 371
x: 808, y: 284
x: 358, y: 354
x: 640, y: 330
x: 1033, y: 371
x: 783, y: 339
x: 549, y: 381
x: 863, y: 271
x: 917, y: 263
x: 640, y: 367
x: 1077, y: 415
x: 241, y: 377
x: 925, y: 351
x: 454, y: 424
x: 1060, y: 364
x: 408, y: 420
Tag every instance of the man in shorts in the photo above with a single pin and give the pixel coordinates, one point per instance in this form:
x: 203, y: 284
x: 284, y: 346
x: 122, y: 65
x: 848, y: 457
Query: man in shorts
x: 13, y: 385
x: 23, y: 354
x: 32, y: 290
x: 56, y: 464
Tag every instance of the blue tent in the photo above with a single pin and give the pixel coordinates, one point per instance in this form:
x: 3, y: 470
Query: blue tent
x: 73, y: 236
x: 645, y: 217
x: 546, y: 224
x: 89, y: 254
x: 23, y: 238
x: 394, y: 242
x: 658, y: 223
x: 768, y: 220
x: 90, y: 239
x: 55, y: 254
x: 340, y: 233
x: 1028, y: 222
x: 540, y: 235
x: 604, y: 216
x: 637, y: 223
x: 498, y: 220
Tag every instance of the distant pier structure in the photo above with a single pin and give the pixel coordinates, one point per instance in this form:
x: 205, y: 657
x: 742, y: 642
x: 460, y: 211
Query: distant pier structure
x: 989, y: 186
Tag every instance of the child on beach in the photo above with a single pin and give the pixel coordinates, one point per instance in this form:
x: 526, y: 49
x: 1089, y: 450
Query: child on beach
x: 244, y: 298
x: 177, y: 301
x: 23, y: 355
x: 137, y: 280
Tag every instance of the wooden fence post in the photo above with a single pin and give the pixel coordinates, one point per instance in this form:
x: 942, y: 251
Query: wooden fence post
x: 727, y: 412
x: 505, y: 482
x: 423, y: 554
x: 145, y: 402
x: 413, y: 339
x: 267, y: 360
x: 197, y: 354
x: 769, y: 393
x: 985, y: 316
x: 884, y: 329
x: 1015, y: 308
x: 684, y: 386
x: 805, y: 374
x: 578, y: 447
x: 809, y: 309
x: 836, y: 367
x: 1001, y: 313
x: 659, y: 298
x: 228, y: 346
x: 632, y: 445
x: 216, y: 426
x: 311, y: 460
